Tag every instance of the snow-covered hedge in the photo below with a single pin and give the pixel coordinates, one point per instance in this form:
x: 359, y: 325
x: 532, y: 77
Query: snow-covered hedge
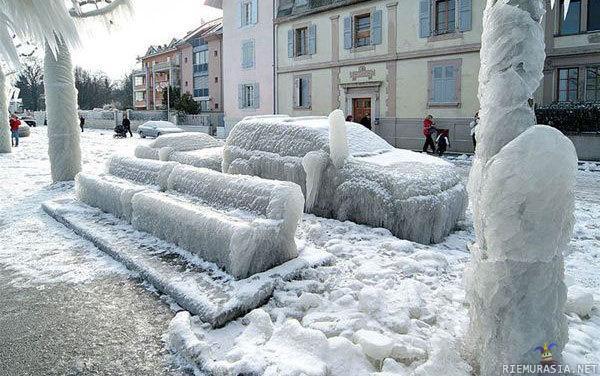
x: 417, y: 197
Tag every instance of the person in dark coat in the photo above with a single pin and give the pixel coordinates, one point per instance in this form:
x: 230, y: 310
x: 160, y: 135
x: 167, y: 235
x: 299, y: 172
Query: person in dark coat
x: 81, y: 122
x: 127, y: 125
x: 366, y: 121
x: 350, y: 118
x: 428, y: 129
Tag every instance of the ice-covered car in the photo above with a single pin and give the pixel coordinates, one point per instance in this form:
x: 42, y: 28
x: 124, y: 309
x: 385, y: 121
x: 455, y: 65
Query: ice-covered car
x: 191, y: 148
x: 157, y: 128
x: 351, y: 175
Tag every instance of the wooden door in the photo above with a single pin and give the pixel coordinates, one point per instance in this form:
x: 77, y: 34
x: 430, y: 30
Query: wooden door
x: 360, y: 108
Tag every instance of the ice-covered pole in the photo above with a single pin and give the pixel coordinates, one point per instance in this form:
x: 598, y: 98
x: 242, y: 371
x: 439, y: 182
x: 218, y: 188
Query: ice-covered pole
x: 4, y: 126
x: 521, y: 189
x: 338, y: 140
x: 61, y: 112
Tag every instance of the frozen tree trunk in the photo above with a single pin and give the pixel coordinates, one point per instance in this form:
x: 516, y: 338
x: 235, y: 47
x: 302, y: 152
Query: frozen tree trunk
x: 61, y: 111
x: 4, y: 126
x: 522, y: 193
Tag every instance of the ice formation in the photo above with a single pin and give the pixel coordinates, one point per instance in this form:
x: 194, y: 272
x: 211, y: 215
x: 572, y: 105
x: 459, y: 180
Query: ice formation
x: 515, y: 281
x: 63, y: 123
x: 4, y: 126
x: 191, y: 148
x: 338, y: 140
x: 244, y: 224
x: 417, y: 197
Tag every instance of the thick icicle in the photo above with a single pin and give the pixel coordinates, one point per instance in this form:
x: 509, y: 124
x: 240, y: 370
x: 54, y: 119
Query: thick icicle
x: 515, y: 282
x: 63, y: 123
x: 4, y: 126
x: 338, y: 140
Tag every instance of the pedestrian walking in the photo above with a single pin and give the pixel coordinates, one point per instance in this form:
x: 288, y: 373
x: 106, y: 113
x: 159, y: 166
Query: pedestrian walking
x: 366, y: 121
x: 127, y: 125
x: 428, y: 129
x: 81, y: 122
x: 474, y: 123
x: 15, y: 123
x: 443, y: 142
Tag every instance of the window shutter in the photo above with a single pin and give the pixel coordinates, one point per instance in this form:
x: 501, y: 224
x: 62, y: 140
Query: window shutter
x: 305, y: 92
x: 244, y: 55
x: 291, y: 43
x: 296, y: 97
x: 450, y: 74
x: 376, y: 26
x: 312, y: 39
x: 347, y: 33
x: 465, y: 15
x: 437, y: 77
x: 240, y: 13
x: 256, y: 96
x: 241, y: 96
x: 254, y: 20
x: 424, y: 18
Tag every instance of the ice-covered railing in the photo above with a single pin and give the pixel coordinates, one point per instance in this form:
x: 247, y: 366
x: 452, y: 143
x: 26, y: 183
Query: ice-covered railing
x: 349, y: 173
x: 244, y: 224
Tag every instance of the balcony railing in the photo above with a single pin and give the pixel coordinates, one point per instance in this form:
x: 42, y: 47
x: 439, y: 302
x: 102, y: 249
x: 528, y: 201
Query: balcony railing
x: 166, y: 65
x: 200, y: 68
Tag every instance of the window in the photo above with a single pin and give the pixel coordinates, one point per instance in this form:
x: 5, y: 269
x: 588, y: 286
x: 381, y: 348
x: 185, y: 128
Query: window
x: 139, y: 81
x: 216, y: 106
x: 302, y: 91
x: 248, y: 54
x: 593, y: 15
x: 301, y: 41
x: 445, y: 16
x: 204, y: 106
x: 247, y: 96
x: 362, y: 30
x: 200, y: 61
x: 139, y: 96
x: 200, y: 86
x: 246, y: 13
x: 444, y: 84
x: 216, y: 80
x: 185, y: 60
x: 568, y: 84
x: 571, y: 23
x: 216, y: 53
x: 592, y: 84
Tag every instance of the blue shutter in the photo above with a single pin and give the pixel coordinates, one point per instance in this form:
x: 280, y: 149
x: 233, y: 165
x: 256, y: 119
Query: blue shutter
x: 347, y: 33
x: 424, y: 18
x: 241, y: 96
x: 290, y: 43
x: 450, y: 79
x: 256, y: 96
x: 465, y: 15
x: 312, y: 39
x: 240, y: 13
x: 437, y: 77
x: 305, y: 92
x: 376, y: 26
x: 254, y: 19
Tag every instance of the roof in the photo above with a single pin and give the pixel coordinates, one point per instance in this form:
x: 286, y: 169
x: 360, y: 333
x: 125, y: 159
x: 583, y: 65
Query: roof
x: 212, y: 27
x: 289, y: 9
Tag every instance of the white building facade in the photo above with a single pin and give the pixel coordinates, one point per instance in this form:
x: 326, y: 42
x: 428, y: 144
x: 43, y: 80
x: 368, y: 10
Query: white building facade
x: 248, y: 55
x: 395, y: 61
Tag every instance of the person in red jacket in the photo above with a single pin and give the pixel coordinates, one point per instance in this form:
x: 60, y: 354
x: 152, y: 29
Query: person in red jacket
x: 14, y: 130
x: 428, y: 129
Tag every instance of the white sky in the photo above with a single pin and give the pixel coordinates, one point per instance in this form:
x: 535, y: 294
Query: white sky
x: 154, y: 22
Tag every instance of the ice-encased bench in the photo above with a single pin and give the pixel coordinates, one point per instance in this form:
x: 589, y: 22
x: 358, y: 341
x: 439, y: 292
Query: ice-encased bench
x: 191, y: 148
x: 244, y: 224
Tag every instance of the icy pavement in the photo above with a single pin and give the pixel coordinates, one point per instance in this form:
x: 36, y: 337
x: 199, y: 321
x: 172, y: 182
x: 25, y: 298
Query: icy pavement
x: 70, y: 309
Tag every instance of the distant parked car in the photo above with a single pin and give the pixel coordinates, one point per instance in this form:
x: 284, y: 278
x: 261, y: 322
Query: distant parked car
x: 29, y: 120
x: 24, y: 130
x: 157, y: 128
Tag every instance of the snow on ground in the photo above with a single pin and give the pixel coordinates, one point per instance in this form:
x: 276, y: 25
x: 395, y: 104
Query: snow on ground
x: 385, y: 306
x: 34, y: 246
